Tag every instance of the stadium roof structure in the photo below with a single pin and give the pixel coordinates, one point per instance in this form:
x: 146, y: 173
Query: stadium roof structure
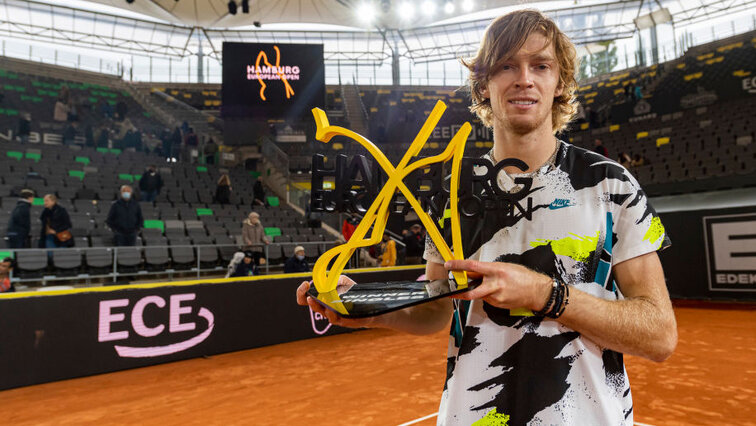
x: 181, y: 28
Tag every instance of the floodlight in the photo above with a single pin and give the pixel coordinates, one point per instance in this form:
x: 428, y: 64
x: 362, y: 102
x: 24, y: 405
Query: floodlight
x: 232, y: 7
x: 449, y: 8
x: 406, y: 10
x: 467, y: 5
x: 429, y: 7
x: 657, y: 17
x: 366, y: 12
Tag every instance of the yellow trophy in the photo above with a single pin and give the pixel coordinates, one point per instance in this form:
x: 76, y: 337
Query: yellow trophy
x: 363, y: 300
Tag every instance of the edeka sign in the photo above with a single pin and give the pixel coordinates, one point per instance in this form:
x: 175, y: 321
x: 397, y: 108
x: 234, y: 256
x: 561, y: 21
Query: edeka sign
x: 731, y: 252
x: 91, y: 331
x: 109, y: 315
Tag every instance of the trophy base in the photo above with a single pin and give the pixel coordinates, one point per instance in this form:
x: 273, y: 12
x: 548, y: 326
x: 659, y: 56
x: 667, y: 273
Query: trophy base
x: 371, y: 299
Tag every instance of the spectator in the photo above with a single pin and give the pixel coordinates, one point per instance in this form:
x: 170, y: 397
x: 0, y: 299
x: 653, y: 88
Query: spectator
x: 125, y: 218
x: 121, y: 110
x: 176, y: 144
x: 223, y: 190
x: 56, y: 224
x: 24, y: 127
x: 89, y: 139
x: 150, y: 184
x: 19, y: 225
x: 414, y: 242
x: 348, y: 226
x: 639, y: 160
x: 388, y: 251
x: 625, y: 160
x: 211, y: 148
x: 253, y: 234
x: 242, y: 265
x: 61, y: 111
x: 69, y: 135
x: 638, y: 93
x: 296, y: 263
x: 6, y: 266
x: 600, y: 149
x: 259, y: 193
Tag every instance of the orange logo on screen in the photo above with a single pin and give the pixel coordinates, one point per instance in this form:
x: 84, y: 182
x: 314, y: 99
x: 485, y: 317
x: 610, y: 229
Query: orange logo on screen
x: 279, y: 71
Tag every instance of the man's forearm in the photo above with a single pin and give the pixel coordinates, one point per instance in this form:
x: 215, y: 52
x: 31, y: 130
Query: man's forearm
x: 635, y: 326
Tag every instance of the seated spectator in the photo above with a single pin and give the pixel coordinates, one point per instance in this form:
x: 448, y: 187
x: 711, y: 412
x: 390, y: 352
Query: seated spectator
x: 6, y: 266
x: 254, y: 236
x: 625, y: 160
x: 223, y: 190
x: 56, y: 225
x: 388, y: 251
x: 296, y: 263
x: 638, y: 161
x: 125, y: 218
x: 414, y: 241
x: 150, y: 184
x: 19, y: 225
x: 242, y: 265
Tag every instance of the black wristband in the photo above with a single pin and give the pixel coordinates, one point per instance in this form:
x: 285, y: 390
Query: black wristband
x: 552, y: 298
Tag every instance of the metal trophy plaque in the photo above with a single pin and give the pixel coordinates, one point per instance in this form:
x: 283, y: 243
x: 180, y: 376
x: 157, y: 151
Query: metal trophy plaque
x: 369, y: 299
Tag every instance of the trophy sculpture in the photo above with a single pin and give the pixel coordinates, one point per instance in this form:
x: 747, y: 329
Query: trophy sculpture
x: 369, y: 299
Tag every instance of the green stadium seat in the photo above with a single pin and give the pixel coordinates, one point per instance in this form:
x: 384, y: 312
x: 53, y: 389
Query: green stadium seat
x: 201, y: 168
x: 273, y: 201
x: 204, y: 212
x: 102, y: 150
x: 272, y: 231
x: 137, y: 178
x: 155, y: 224
x: 115, y: 151
x: 84, y: 160
x: 76, y: 173
x: 34, y: 156
x: 126, y: 176
x: 15, y: 154
x: 38, y: 201
x: 254, y: 174
x: 4, y: 254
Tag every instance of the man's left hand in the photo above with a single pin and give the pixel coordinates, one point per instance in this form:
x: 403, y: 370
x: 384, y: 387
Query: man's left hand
x: 505, y: 285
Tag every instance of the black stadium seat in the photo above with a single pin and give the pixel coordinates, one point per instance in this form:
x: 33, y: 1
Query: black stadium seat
x: 31, y: 263
x: 66, y: 262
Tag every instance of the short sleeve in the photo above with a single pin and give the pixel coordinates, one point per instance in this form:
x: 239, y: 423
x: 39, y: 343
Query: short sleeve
x: 638, y: 229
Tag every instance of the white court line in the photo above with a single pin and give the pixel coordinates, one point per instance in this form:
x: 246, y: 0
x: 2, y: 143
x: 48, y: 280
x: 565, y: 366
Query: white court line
x: 429, y: 416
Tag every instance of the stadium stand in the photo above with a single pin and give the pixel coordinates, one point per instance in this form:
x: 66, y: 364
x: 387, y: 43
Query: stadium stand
x: 691, y: 125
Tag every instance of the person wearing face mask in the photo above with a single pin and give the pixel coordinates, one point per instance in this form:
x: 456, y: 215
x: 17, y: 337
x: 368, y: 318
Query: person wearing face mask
x: 125, y: 218
x: 388, y: 251
x: 254, y: 237
x: 296, y: 263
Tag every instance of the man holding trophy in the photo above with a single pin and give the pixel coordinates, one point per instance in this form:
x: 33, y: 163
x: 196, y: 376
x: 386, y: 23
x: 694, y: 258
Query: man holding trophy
x: 565, y: 286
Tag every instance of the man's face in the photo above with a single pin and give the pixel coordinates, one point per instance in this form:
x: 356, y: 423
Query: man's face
x: 4, y: 268
x: 247, y: 260
x: 523, y: 91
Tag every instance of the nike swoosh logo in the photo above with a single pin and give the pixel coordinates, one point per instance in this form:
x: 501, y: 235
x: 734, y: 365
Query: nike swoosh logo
x: 152, y: 351
x: 561, y: 206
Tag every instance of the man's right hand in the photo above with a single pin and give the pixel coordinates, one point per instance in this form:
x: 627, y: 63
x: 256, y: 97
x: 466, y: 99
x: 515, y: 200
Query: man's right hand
x: 334, y: 318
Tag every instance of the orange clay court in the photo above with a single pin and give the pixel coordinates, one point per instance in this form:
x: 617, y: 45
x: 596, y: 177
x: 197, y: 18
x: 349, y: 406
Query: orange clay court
x: 366, y: 378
